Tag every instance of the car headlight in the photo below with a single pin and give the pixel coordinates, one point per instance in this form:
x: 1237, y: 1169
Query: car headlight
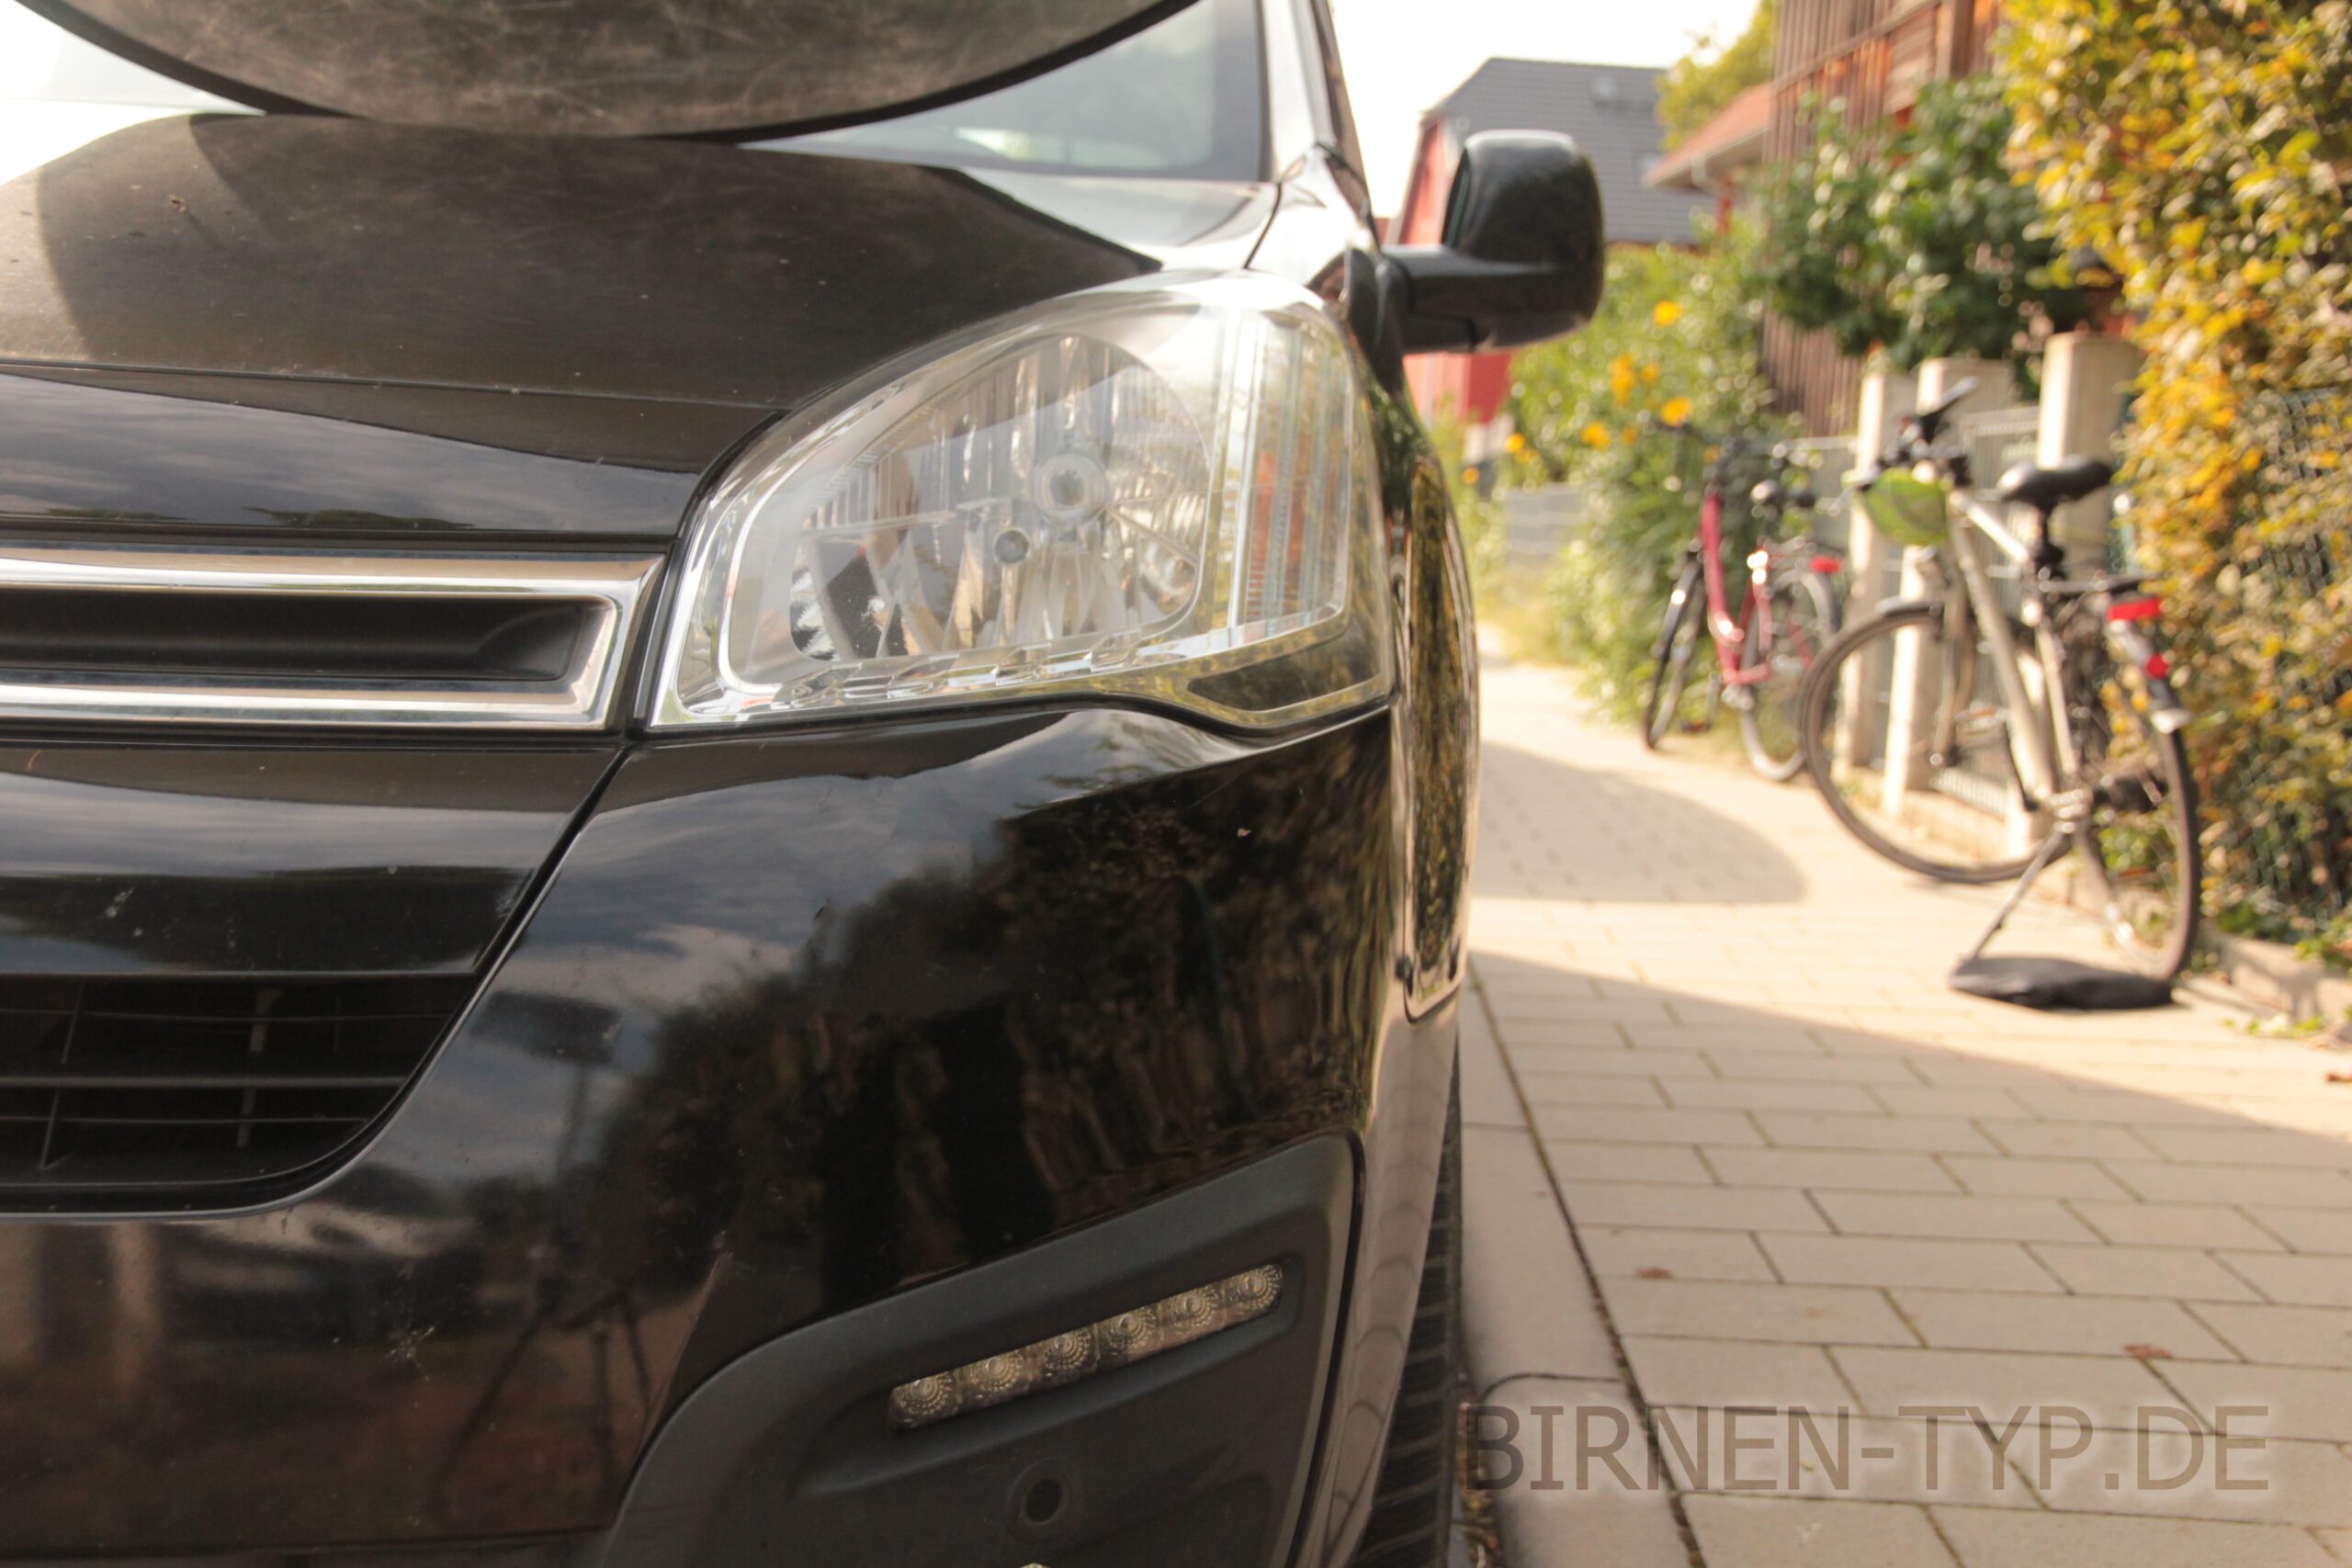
x: 1161, y: 493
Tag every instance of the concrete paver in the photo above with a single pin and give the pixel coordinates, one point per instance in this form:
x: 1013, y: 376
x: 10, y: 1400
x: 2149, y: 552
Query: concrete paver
x: 1756, y: 1159
x: 1770, y: 1532
x: 1986, y: 1538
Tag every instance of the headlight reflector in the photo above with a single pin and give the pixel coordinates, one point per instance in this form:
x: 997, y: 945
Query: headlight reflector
x: 1135, y: 493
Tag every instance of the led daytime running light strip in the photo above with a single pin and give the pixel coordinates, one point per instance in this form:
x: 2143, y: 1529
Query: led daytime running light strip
x: 1119, y: 1341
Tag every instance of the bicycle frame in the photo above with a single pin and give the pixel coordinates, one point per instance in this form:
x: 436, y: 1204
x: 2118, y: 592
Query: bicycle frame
x: 1729, y: 633
x: 2048, y: 752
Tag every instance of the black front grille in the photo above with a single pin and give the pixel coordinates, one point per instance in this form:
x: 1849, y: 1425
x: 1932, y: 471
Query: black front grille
x: 171, y: 1087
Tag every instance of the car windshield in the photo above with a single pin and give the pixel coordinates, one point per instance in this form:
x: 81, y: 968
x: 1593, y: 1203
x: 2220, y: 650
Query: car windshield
x: 1182, y: 99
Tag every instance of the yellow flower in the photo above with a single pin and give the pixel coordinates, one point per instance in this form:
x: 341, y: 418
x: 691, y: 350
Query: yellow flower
x: 1666, y: 312
x: 1516, y: 443
x: 1622, y: 377
x: 1596, y: 434
x: 1630, y: 434
x: 1677, y: 411
x: 1649, y: 375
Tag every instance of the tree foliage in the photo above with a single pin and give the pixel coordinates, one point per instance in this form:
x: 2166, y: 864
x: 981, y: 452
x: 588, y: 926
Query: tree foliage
x: 1674, y: 348
x: 2204, y: 148
x: 1699, y: 87
x: 1913, y: 240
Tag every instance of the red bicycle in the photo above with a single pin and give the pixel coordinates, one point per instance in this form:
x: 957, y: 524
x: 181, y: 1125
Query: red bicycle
x: 1787, y: 613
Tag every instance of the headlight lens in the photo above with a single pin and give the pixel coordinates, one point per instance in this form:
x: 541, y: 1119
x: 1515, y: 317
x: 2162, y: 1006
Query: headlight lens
x: 1165, y: 494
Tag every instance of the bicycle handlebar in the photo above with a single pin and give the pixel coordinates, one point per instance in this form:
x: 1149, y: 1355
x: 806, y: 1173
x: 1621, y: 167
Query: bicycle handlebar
x: 1915, y: 440
x: 1931, y: 419
x: 1728, y: 448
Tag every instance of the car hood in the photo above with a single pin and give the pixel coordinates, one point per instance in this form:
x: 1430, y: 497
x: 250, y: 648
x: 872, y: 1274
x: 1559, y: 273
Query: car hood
x: 297, y: 245
x: 193, y: 303
x: 603, y: 67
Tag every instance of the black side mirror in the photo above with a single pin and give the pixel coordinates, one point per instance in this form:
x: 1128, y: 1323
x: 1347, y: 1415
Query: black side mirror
x: 1524, y: 250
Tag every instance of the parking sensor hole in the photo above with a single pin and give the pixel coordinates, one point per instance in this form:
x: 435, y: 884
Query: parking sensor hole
x: 1043, y: 1503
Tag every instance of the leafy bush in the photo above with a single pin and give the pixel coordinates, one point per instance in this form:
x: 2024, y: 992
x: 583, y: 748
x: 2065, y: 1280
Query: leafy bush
x: 1675, y: 343
x: 2202, y: 148
x: 1913, y: 240
x: 1701, y: 83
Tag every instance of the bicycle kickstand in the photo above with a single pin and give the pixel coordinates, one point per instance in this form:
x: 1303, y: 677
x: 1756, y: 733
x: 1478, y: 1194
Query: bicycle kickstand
x: 2034, y: 868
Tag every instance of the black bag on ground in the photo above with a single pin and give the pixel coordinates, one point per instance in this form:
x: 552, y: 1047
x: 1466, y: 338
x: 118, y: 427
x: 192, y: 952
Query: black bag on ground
x: 2058, y: 985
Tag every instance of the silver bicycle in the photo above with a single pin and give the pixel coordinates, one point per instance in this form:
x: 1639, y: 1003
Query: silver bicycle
x: 1975, y: 737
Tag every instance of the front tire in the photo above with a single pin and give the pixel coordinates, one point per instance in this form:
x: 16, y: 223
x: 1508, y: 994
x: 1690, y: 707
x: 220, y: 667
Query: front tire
x: 1412, y: 1513
x: 1676, y: 639
x: 1953, y: 818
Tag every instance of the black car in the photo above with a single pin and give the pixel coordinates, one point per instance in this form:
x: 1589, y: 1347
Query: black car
x: 737, y: 746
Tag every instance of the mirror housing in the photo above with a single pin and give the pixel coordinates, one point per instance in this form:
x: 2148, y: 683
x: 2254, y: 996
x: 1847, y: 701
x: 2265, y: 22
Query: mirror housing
x: 1524, y: 250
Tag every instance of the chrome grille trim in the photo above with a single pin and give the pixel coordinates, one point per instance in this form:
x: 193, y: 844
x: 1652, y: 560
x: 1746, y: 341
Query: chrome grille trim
x: 613, y: 592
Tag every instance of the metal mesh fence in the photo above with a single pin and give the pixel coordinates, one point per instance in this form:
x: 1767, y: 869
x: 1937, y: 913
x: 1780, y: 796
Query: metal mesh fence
x: 1829, y: 460
x: 1997, y: 440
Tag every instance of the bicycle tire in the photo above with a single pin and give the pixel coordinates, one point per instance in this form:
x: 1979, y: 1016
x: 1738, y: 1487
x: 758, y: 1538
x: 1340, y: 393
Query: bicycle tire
x: 2101, y: 857
x: 1677, y: 638
x: 1821, y: 685
x: 1812, y: 598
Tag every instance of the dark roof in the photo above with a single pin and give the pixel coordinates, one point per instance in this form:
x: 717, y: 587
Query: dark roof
x: 1611, y: 110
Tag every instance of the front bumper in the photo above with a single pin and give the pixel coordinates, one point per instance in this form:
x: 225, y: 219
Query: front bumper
x: 798, y: 1035
x: 1199, y: 1455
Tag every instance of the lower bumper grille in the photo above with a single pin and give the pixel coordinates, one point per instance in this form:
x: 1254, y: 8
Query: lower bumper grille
x: 180, y: 1089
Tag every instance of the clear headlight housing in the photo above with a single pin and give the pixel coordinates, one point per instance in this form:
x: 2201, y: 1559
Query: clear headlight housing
x: 1165, y: 493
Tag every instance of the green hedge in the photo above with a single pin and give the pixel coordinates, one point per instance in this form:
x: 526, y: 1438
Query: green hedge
x: 2204, y: 149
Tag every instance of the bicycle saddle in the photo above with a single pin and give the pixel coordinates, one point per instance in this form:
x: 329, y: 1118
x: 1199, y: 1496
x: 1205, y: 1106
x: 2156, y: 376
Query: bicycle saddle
x: 2046, y: 490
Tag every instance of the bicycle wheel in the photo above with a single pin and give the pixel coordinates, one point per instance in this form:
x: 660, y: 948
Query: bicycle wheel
x: 2138, y: 848
x: 1928, y: 775
x: 1803, y: 615
x: 1677, y: 638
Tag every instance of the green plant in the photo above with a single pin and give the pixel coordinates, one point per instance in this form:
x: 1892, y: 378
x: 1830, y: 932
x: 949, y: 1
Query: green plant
x: 2202, y: 149
x: 1674, y: 343
x: 1913, y: 240
x: 1696, y: 87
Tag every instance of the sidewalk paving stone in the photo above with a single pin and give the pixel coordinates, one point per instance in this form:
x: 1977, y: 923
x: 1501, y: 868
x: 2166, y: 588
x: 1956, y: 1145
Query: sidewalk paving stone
x: 1772, y: 1532
x: 2294, y: 1336
x: 1953, y: 1216
x: 1707, y: 1309
x: 1722, y: 1373
x: 2306, y: 1230
x: 1887, y: 1260
x: 1995, y: 1538
x: 2089, y: 1326
x: 2168, y: 1272
x: 2176, y: 1225
x: 2110, y: 1390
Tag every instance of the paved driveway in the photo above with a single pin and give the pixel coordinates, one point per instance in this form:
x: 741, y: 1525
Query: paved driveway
x: 1736, y: 1151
